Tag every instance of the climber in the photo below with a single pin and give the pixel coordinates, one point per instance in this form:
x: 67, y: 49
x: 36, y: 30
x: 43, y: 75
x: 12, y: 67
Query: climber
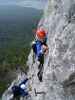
x: 21, y: 89
x: 40, y: 49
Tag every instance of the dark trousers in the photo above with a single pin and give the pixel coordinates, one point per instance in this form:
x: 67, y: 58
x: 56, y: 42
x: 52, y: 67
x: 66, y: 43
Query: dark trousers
x: 40, y: 67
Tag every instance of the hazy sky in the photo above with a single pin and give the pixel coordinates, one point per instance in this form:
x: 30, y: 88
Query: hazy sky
x: 38, y: 4
x: 3, y: 2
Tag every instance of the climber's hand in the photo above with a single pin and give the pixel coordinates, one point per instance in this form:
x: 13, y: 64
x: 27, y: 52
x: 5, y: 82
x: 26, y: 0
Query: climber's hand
x: 45, y: 49
x: 30, y: 88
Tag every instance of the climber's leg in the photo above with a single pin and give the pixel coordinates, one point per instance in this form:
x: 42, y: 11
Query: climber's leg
x: 40, y: 73
x: 40, y: 67
x: 41, y: 60
x: 39, y: 77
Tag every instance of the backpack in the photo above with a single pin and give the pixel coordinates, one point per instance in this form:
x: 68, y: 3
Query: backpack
x: 37, y: 48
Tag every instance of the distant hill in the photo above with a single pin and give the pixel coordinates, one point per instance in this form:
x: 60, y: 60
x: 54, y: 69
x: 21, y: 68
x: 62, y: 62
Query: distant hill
x: 16, y: 25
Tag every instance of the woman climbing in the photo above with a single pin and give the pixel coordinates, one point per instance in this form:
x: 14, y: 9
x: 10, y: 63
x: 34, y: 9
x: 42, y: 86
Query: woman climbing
x: 40, y: 48
x: 21, y: 90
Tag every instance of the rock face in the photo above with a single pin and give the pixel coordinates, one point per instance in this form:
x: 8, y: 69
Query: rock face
x: 59, y: 66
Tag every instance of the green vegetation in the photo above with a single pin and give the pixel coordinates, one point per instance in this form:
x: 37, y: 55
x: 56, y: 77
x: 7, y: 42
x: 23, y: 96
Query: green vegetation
x: 14, y: 57
x: 16, y: 26
x: 12, y: 60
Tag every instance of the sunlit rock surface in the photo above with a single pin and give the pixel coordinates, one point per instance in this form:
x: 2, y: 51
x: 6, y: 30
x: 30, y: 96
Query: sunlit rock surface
x: 59, y: 67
